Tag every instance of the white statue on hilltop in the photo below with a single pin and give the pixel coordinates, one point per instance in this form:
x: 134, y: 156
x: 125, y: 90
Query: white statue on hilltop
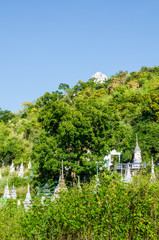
x: 99, y: 77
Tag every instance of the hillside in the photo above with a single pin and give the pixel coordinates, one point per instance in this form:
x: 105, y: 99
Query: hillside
x: 89, y: 116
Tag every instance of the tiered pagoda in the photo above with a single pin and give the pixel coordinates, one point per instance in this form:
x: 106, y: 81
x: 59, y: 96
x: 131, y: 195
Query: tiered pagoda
x: 61, y: 184
x: 6, y: 192
x: 137, y: 153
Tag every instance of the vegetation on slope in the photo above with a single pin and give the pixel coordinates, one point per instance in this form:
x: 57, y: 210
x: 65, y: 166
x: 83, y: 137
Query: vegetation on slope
x: 95, y: 117
x: 114, y: 210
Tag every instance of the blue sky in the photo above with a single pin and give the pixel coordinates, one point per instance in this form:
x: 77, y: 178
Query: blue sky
x: 45, y: 43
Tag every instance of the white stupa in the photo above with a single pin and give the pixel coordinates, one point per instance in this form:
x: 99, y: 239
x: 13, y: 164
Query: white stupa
x: 0, y: 174
x: 21, y: 171
x: 13, y: 193
x: 12, y: 168
x: 137, y: 153
x: 6, y: 192
x: 27, y: 202
x: 29, y: 165
x: 128, y: 177
x: 99, y: 77
x: 153, y: 177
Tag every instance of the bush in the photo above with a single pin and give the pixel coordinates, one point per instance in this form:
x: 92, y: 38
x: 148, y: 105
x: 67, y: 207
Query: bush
x: 114, y: 210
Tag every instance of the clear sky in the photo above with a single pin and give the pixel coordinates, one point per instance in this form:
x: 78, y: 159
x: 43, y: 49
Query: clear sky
x: 45, y: 42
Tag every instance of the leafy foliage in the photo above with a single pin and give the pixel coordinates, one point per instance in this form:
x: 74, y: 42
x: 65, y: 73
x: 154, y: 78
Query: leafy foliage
x: 113, y: 211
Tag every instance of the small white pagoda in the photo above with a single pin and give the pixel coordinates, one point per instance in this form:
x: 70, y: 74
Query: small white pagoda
x: 153, y: 177
x: 27, y: 202
x: 12, y: 168
x: 21, y: 171
x: 137, y: 153
x: 137, y: 163
x: 61, y: 184
x: 13, y: 193
x: 6, y: 192
x: 128, y: 177
x: 29, y: 165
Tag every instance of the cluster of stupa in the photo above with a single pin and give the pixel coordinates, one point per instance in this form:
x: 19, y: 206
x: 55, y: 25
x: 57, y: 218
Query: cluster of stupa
x: 13, y: 195
x: 20, y: 169
x: 7, y: 195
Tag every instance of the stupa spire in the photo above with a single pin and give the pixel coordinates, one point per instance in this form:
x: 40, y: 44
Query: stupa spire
x: 6, y: 192
x: 62, y: 175
x: 29, y: 165
x: 61, y: 184
x: 27, y: 202
x: 153, y: 177
x: 136, y: 140
x: 13, y: 193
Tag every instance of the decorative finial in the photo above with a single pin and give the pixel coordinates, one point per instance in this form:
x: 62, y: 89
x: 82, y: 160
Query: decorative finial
x: 62, y: 176
x: 136, y: 139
